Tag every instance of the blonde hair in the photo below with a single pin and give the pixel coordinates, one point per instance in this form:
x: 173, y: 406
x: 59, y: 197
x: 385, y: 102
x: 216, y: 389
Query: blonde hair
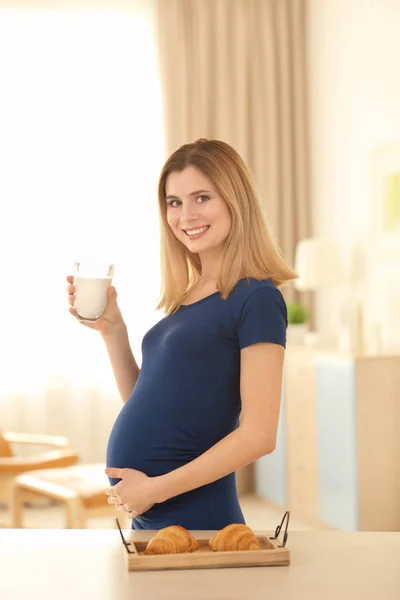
x: 249, y: 249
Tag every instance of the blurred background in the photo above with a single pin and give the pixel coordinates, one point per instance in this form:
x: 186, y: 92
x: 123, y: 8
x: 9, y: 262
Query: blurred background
x: 94, y: 96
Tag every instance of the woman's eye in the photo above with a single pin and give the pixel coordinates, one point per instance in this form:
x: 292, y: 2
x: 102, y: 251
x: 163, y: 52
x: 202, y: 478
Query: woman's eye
x: 175, y: 203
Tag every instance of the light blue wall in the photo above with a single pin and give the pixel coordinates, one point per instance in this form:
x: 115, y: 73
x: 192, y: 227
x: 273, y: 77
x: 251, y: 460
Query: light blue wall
x: 337, y: 443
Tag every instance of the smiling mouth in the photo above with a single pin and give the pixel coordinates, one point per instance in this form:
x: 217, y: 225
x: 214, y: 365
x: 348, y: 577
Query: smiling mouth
x: 197, y: 232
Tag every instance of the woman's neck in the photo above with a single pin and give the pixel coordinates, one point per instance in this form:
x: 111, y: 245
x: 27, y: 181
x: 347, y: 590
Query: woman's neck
x: 210, y: 269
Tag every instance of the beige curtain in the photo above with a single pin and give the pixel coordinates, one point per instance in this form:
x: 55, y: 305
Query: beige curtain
x: 236, y: 70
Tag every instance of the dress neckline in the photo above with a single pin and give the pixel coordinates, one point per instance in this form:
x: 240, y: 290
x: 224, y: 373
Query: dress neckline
x: 199, y: 301
x: 217, y: 293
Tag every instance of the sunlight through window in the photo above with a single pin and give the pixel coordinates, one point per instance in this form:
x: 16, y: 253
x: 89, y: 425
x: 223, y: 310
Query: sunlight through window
x: 81, y: 147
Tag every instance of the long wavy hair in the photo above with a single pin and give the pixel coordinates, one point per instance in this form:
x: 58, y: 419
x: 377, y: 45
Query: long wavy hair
x: 249, y: 250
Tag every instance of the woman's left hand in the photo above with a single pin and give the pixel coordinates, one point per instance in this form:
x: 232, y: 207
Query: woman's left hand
x: 134, y: 494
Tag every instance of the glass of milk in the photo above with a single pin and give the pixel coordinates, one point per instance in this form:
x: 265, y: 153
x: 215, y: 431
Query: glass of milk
x: 91, y: 280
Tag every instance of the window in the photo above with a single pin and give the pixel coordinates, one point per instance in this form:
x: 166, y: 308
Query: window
x: 81, y: 147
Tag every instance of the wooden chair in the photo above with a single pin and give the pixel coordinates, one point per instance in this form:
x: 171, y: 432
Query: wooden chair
x: 80, y: 489
x: 61, y: 455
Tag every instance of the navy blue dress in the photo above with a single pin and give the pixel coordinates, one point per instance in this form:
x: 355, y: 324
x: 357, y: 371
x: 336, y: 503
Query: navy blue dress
x: 187, y: 398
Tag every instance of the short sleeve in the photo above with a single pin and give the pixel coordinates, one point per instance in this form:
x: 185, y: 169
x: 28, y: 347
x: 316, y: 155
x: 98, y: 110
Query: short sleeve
x: 263, y: 318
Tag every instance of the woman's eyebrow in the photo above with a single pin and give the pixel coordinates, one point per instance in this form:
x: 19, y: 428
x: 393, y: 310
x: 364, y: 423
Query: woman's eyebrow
x: 195, y: 193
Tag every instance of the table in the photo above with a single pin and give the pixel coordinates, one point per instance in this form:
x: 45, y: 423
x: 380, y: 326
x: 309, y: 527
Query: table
x: 80, y: 564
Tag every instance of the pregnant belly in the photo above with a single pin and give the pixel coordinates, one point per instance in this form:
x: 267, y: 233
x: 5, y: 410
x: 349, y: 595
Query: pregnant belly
x: 157, y: 441
x: 149, y: 440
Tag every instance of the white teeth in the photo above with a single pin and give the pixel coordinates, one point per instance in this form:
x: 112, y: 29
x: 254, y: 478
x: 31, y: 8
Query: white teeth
x: 196, y: 231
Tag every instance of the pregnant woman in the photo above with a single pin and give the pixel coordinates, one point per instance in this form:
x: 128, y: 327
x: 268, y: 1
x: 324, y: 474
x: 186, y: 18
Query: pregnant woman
x: 206, y: 400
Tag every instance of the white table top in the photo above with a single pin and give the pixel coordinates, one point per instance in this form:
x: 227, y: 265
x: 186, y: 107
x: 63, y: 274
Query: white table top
x: 79, y: 564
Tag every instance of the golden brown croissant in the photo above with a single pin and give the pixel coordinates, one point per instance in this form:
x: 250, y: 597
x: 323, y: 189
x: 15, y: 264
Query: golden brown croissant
x: 234, y: 537
x: 172, y: 540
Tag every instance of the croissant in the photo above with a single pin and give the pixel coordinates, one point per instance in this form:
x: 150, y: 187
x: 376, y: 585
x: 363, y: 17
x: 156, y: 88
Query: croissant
x: 172, y: 540
x: 234, y: 537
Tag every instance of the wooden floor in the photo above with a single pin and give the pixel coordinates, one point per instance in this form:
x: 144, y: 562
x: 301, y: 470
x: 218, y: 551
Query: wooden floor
x: 258, y: 513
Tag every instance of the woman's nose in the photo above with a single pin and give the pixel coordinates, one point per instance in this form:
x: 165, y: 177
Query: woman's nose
x: 188, y: 213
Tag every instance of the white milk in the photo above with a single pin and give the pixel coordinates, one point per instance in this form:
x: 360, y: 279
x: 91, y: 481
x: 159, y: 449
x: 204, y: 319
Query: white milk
x: 90, y: 295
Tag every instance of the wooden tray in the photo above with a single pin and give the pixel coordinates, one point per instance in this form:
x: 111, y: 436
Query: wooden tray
x: 272, y: 553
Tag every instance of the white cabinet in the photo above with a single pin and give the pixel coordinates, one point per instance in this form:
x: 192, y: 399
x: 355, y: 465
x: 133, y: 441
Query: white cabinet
x: 300, y: 415
x: 338, y: 453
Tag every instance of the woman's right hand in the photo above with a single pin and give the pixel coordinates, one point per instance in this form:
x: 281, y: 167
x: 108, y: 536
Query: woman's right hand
x: 109, y: 321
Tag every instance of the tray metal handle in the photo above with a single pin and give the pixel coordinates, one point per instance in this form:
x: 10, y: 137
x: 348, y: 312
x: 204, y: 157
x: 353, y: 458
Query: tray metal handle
x: 125, y: 543
x: 285, y: 521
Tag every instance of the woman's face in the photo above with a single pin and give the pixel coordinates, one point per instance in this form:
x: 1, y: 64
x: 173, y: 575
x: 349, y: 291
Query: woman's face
x: 196, y: 213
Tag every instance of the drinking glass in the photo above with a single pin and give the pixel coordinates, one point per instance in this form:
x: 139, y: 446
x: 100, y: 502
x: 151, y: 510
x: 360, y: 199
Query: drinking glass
x: 92, y: 278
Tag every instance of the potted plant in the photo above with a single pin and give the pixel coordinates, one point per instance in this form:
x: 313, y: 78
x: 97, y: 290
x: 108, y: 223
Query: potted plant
x: 297, y: 322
